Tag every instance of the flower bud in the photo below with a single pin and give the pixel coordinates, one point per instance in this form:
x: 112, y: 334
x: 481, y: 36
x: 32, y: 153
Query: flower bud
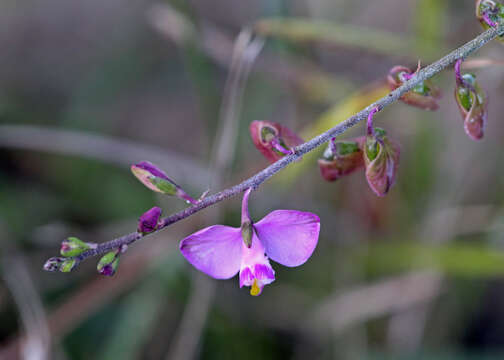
x: 472, y: 102
x: 53, y: 264
x: 108, y: 263
x: 149, y: 221
x: 68, y: 265
x: 490, y: 13
x: 381, y: 156
x: 342, y: 158
x: 425, y: 95
x: 273, y: 140
x: 156, y: 180
x: 73, y: 246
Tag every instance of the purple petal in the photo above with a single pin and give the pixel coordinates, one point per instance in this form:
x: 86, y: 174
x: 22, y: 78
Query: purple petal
x: 264, y: 273
x: 246, y: 277
x: 152, y: 169
x: 289, y: 236
x: 215, y: 250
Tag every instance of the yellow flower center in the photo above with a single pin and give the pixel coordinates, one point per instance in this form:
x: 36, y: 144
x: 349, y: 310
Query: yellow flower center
x: 255, y: 290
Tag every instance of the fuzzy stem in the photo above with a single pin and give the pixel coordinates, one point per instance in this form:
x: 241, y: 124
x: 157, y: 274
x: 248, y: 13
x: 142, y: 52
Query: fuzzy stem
x: 257, y: 179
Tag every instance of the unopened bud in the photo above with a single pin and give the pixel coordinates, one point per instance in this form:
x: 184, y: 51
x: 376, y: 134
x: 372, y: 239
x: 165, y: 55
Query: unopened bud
x: 73, y: 246
x: 381, y: 156
x: 108, y: 263
x: 149, y: 221
x: 156, y: 180
x: 273, y: 140
x: 68, y: 265
x: 342, y: 158
x: 53, y: 264
x: 425, y: 95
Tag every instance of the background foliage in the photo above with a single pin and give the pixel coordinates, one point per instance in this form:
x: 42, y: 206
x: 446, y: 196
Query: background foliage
x: 87, y: 88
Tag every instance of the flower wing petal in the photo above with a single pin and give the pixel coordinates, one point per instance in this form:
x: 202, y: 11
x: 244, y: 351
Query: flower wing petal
x: 215, y: 250
x: 289, y: 236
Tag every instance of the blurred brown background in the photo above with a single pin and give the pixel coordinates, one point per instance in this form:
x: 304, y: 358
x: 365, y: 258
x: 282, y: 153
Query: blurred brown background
x: 89, y: 87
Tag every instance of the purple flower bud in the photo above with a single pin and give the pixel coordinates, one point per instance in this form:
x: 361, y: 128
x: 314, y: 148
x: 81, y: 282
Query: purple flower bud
x: 472, y: 102
x: 342, y: 158
x: 273, y: 140
x: 108, y: 263
x: 425, y: 95
x: 149, y: 221
x: 156, y: 180
x: 73, y: 246
x: 53, y: 264
x: 490, y: 13
x: 381, y: 156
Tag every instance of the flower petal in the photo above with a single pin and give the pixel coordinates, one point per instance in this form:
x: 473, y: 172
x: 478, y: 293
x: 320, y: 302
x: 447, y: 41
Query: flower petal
x: 215, y: 250
x: 289, y: 236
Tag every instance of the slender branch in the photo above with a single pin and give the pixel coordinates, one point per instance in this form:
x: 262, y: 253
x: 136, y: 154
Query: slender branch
x: 257, y: 179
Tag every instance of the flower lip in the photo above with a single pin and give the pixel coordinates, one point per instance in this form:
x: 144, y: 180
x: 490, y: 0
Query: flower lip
x: 255, y: 268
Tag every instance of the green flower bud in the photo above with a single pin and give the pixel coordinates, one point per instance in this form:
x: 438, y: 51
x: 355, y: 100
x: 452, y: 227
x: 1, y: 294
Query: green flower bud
x: 73, y: 246
x: 108, y: 263
x: 68, y: 265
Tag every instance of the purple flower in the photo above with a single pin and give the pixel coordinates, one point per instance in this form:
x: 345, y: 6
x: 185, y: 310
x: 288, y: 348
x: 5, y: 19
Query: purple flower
x: 288, y: 237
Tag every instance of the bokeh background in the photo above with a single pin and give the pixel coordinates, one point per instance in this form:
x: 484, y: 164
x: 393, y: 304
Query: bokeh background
x: 89, y: 87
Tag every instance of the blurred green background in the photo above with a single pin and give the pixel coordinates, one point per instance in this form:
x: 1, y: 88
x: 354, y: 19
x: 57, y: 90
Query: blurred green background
x: 88, y: 88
